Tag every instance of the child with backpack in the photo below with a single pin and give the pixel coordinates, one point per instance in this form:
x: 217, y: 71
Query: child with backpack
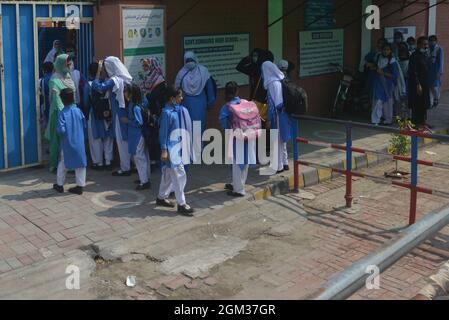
x: 243, y: 118
x: 136, y: 142
x: 99, y: 125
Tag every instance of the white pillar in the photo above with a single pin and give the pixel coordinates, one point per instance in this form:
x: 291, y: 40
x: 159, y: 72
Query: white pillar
x: 275, y: 32
x: 432, y: 18
x: 365, y: 46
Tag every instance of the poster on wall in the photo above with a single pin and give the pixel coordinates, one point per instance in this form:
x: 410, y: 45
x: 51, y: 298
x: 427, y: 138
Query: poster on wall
x: 143, y: 37
x: 220, y: 53
x: 319, y: 14
x: 318, y: 50
x: 406, y: 31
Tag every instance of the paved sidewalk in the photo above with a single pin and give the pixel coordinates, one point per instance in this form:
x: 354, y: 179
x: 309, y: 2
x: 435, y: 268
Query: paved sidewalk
x: 36, y: 223
x: 276, y: 248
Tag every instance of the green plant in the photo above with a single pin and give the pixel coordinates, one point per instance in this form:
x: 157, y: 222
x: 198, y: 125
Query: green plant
x: 399, y: 144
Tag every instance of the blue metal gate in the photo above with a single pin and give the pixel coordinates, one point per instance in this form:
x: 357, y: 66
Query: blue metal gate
x: 20, y: 130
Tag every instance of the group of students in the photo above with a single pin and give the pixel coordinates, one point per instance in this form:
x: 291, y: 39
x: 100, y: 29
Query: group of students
x: 404, y: 76
x: 141, y: 119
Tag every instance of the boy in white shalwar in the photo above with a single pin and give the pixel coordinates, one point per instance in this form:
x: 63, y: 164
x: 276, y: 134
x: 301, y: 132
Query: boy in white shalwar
x: 70, y: 127
x: 175, y: 137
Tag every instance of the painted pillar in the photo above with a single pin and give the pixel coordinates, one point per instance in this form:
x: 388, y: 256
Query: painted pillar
x: 432, y: 18
x: 275, y: 32
x: 365, y: 35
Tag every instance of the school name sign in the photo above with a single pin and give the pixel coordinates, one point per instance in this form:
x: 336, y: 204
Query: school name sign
x: 220, y: 53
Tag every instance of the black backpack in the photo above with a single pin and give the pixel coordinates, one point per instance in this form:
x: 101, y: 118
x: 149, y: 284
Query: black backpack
x: 101, y: 106
x: 295, y: 98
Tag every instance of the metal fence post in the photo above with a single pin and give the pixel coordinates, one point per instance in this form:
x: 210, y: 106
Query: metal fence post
x: 295, y: 159
x: 348, y: 195
x: 414, y: 182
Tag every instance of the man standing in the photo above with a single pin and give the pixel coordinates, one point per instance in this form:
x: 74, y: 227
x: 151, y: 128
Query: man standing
x: 436, y: 70
x: 419, y: 91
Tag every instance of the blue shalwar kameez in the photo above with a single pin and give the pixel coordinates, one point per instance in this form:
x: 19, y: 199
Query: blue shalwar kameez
x: 119, y: 129
x: 70, y: 127
x: 175, y: 137
x: 436, y: 71
x: 100, y: 132
x: 241, y: 162
x: 383, y: 91
x: 136, y: 142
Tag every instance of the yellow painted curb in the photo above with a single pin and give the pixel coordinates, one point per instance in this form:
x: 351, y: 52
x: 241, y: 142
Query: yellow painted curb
x: 324, y: 174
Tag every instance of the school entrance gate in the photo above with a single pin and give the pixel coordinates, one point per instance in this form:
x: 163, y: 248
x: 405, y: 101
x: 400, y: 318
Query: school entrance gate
x: 26, y: 32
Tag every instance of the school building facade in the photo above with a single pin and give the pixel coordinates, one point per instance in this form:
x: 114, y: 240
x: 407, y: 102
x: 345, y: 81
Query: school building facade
x: 310, y: 33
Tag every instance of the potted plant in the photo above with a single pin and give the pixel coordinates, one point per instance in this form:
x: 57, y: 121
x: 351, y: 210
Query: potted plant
x: 399, y: 145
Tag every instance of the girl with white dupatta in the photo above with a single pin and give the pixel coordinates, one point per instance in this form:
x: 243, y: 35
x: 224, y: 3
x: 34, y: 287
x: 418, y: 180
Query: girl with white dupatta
x: 385, y: 87
x: 272, y: 78
x: 118, y: 76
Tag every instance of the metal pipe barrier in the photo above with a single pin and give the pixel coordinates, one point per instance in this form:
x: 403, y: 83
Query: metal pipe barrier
x: 349, y: 149
x: 347, y: 282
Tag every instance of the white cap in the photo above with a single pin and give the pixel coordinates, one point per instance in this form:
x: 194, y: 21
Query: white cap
x: 283, y: 65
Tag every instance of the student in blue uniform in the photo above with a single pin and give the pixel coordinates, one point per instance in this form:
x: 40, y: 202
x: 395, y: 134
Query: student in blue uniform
x: 136, y: 142
x: 47, y: 69
x: 99, y: 131
x: 175, y: 136
x: 239, y: 170
x: 198, y: 89
x: 118, y: 76
x: 436, y: 70
x: 279, y: 119
x: 70, y: 127
x: 370, y: 65
x: 384, y: 86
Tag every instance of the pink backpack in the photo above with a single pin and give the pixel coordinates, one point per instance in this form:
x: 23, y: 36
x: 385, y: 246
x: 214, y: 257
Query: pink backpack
x: 245, y: 120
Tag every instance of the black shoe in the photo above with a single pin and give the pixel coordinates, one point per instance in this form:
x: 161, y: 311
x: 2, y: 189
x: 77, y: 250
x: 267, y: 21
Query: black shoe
x: 108, y: 167
x: 143, y: 186
x: 286, y: 168
x: 76, y: 190
x: 235, y: 194
x: 280, y: 171
x: 186, y: 210
x: 58, y: 188
x: 164, y: 203
x: 97, y: 167
x: 121, y: 173
x: 229, y: 186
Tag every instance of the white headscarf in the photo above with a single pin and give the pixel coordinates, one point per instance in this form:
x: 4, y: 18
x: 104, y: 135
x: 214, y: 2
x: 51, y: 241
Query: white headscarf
x: 283, y: 65
x: 192, y: 82
x: 272, y: 78
x: 51, y: 55
x: 118, y: 73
